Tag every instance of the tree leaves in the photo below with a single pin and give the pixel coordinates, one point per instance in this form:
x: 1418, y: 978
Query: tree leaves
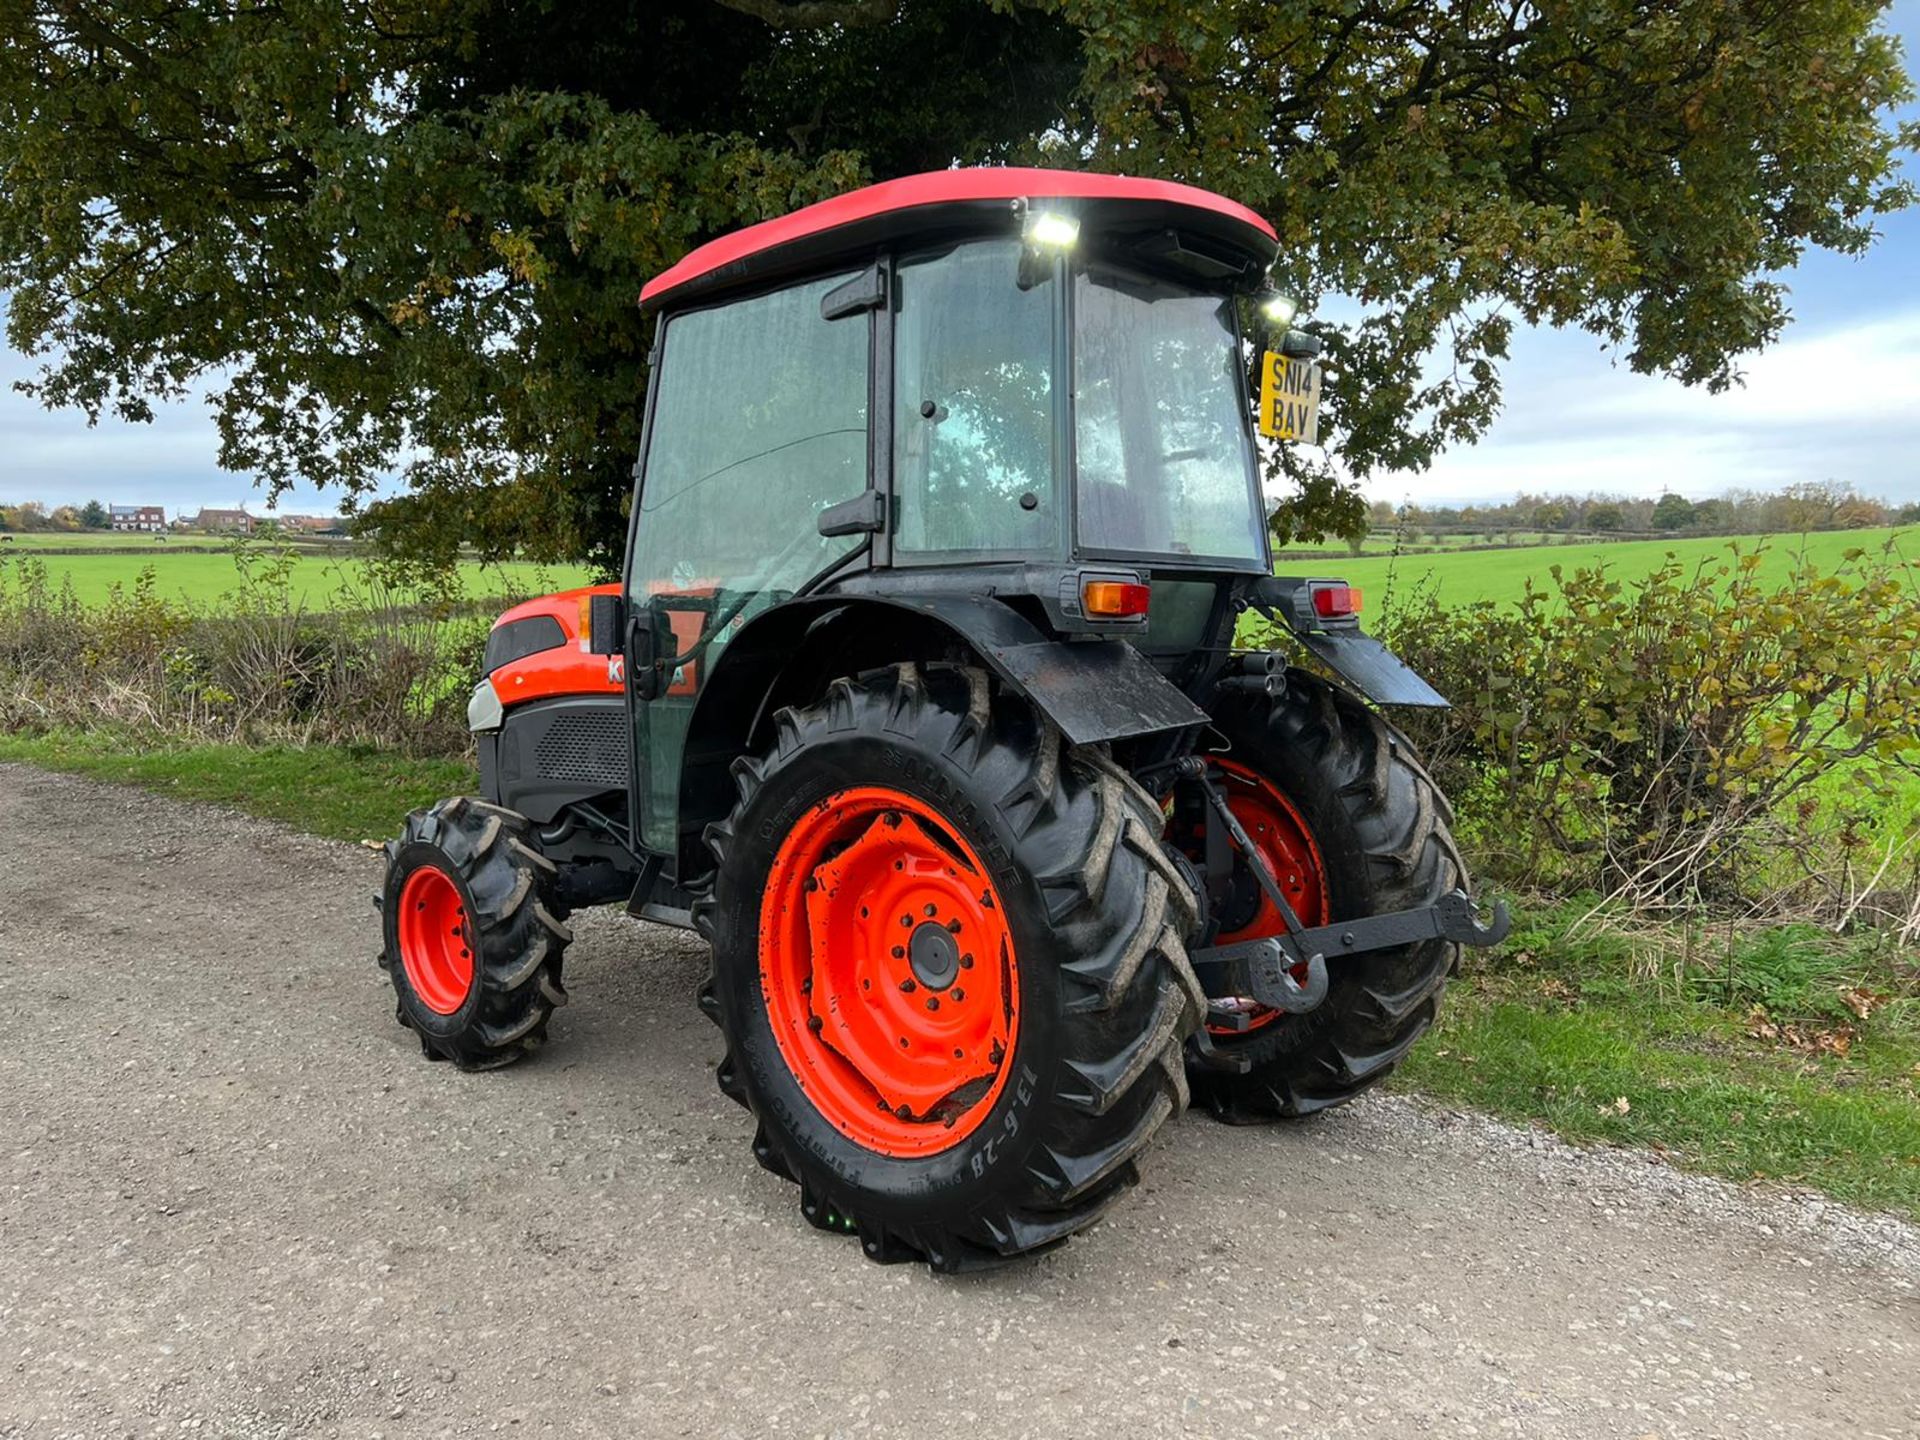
x: 408, y: 238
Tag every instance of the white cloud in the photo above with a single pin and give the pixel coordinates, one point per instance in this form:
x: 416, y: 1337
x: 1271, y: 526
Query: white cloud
x: 1842, y: 404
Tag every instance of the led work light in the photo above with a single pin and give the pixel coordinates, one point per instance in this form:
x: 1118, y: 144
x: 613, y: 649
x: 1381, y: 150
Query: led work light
x: 1050, y: 229
x: 1277, y: 307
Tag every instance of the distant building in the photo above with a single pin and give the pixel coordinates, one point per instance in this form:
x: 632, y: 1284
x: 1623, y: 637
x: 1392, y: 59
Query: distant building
x: 150, y: 518
x: 234, y: 522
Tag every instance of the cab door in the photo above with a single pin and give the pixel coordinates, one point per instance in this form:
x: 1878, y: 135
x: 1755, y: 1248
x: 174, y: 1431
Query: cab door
x: 759, y: 421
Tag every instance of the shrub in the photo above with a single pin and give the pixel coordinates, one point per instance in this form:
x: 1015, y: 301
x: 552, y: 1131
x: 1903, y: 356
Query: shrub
x: 388, y: 665
x: 1695, y: 734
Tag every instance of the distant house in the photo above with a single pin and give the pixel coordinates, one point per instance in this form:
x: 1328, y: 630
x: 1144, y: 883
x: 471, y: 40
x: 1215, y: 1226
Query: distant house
x: 149, y: 518
x: 231, y: 522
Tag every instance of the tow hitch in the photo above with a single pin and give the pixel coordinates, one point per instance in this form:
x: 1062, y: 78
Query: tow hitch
x: 1288, y: 971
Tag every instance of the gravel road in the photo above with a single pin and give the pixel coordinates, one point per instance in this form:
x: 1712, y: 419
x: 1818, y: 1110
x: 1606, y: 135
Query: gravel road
x: 235, y: 1201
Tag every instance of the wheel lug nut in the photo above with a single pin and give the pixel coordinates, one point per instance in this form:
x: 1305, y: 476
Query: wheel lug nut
x: 906, y: 922
x: 933, y: 1002
x: 930, y: 912
x: 966, y: 962
x: 907, y: 987
x: 899, y: 952
x: 953, y: 927
x: 903, y: 1113
x: 958, y: 993
x: 814, y: 1023
x: 958, y: 1053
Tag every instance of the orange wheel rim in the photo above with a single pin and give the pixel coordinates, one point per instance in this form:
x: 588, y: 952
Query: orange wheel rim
x: 888, y: 972
x: 1281, y: 836
x: 436, y: 941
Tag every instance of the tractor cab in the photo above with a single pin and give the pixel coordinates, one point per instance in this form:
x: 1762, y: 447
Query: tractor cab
x: 1027, y: 385
x: 919, y: 698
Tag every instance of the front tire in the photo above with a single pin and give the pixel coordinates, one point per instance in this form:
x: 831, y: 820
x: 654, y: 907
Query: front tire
x: 1357, y: 828
x: 473, y: 934
x: 943, y: 1102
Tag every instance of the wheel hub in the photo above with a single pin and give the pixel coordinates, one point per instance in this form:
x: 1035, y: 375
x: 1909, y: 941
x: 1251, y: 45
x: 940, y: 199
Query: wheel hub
x: 934, y: 955
x: 436, y: 940
x: 888, y: 971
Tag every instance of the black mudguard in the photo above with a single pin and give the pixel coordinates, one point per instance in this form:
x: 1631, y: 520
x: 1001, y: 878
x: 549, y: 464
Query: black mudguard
x: 1094, y: 690
x: 1359, y: 659
x: 1372, y: 669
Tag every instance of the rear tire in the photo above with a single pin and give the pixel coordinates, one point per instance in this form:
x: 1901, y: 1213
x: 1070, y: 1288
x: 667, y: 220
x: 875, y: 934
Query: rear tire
x: 479, y: 983
x: 1379, y: 824
x: 1100, y: 996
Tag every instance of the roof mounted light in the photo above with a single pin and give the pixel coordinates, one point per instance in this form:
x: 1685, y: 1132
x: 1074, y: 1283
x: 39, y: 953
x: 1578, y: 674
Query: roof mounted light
x: 1278, y: 307
x: 1049, y: 230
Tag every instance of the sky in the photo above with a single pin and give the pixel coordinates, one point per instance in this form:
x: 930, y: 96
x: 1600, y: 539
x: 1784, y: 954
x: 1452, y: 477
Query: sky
x: 1837, y: 398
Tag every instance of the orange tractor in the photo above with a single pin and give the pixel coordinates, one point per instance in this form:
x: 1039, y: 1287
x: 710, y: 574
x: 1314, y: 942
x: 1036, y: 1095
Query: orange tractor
x: 920, y: 701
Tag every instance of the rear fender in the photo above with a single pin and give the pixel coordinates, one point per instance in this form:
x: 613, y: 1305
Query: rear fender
x: 1093, y: 690
x: 1372, y: 669
x: 1359, y: 659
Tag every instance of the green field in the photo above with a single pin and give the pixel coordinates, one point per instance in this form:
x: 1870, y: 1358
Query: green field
x: 1501, y: 575
x: 319, y: 580
x: 203, y: 569
x: 125, y: 540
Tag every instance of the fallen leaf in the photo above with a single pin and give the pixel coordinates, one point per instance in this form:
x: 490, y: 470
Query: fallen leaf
x: 1620, y: 1106
x: 1862, y: 1002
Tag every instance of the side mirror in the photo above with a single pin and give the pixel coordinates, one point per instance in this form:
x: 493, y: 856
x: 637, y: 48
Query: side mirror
x: 606, y: 624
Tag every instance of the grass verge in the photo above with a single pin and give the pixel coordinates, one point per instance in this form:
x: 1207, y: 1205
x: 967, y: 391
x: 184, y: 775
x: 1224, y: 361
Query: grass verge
x: 343, y: 793
x: 1784, y: 1055
x: 1780, y: 1055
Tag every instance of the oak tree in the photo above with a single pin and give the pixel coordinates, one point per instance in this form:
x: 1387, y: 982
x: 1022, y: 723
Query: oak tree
x: 402, y: 239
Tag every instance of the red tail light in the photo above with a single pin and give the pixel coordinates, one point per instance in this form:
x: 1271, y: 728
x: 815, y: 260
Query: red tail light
x: 1115, y: 599
x: 1335, y: 602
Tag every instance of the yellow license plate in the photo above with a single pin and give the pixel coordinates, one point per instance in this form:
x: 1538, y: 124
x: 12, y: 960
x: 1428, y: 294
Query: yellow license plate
x: 1290, y: 399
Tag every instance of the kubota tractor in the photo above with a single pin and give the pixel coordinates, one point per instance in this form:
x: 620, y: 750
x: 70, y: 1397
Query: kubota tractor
x: 920, y: 701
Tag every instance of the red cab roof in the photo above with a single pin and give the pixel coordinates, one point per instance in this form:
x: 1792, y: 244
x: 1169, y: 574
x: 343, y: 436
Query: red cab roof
x: 729, y: 258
